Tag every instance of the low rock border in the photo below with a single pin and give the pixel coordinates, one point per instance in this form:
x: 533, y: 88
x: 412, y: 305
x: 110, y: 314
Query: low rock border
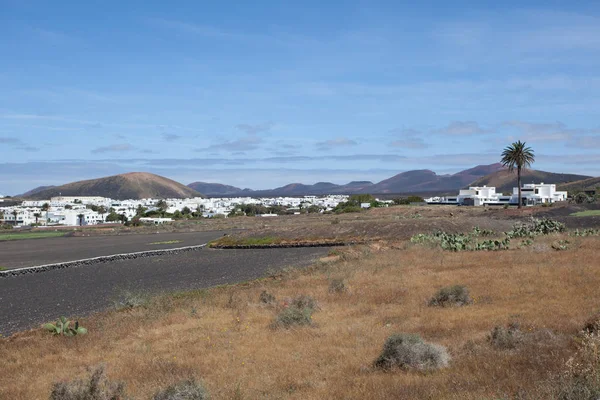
x: 97, y: 260
x: 284, y: 245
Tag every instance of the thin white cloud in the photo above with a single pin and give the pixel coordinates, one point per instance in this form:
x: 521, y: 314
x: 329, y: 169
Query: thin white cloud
x: 114, y: 148
x: 554, y: 132
x: 463, y: 128
x: 254, y: 129
x: 335, y: 143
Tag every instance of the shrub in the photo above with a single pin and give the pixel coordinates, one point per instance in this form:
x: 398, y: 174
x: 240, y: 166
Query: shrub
x: 337, y: 285
x: 266, y: 297
x: 561, y: 245
x: 456, y: 295
x: 477, y: 231
x: 185, y: 390
x: 291, y: 316
x: 96, y: 387
x: 127, y: 299
x: 409, y: 351
x: 298, y: 311
x: 585, y: 232
x: 304, y: 301
x: 63, y: 327
x: 581, y: 380
x: 544, y: 226
x: 592, y: 325
x: 506, y: 338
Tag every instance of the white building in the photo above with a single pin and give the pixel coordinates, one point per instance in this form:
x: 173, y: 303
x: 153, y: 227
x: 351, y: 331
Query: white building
x: 531, y: 194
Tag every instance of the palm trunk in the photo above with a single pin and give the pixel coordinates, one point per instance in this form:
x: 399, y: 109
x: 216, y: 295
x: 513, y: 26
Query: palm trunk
x: 519, y: 185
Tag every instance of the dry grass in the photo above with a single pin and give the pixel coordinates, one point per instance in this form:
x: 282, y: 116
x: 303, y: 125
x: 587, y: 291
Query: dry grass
x: 223, y: 337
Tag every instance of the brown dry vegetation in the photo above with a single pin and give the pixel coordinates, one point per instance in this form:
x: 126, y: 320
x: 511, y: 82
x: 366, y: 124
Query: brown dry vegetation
x: 224, y: 336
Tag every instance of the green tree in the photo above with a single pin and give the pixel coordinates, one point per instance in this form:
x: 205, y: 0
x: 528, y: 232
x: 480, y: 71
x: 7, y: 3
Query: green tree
x: 186, y: 211
x: 517, y: 156
x: 112, y: 216
x: 80, y: 217
x: 15, y: 213
x: 140, y: 211
x: 162, y: 206
x: 37, y: 217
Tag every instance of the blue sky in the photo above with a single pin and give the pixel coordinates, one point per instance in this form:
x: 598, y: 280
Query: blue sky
x: 259, y: 94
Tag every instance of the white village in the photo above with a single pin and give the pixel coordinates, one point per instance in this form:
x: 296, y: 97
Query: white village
x: 89, y: 210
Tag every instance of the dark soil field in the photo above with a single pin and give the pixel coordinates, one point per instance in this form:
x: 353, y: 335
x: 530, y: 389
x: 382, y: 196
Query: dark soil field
x: 29, y: 300
x: 27, y: 253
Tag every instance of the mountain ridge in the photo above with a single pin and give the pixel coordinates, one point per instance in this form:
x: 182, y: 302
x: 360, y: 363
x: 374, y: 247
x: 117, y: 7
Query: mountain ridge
x: 504, y: 181
x: 132, y: 185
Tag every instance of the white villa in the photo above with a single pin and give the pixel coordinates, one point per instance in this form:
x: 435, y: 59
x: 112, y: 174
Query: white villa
x: 531, y: 194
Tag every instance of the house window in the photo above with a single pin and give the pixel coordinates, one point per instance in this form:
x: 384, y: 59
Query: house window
x: 537, y: 191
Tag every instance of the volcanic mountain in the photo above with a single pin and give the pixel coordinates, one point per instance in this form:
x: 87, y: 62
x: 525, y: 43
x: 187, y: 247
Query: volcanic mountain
x: 214, y: 189
x: 134, y: 185
x: 416, y: 181
x: 504, y: 181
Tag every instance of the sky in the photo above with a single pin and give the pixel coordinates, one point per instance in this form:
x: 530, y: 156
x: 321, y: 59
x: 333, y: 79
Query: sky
x: 264, y: 93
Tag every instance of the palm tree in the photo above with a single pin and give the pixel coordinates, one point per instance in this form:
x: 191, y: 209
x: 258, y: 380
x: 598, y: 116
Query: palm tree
x: 80, y: 216
x: 102, y: 211
x: 518, y: 156
x: 46, y: 207
x: 15, y: 213
x: 37, y: 216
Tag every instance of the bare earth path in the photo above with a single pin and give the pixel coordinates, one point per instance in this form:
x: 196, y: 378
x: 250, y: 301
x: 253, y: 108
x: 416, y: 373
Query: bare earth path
x: 28, y: 300
x: 27, y: 253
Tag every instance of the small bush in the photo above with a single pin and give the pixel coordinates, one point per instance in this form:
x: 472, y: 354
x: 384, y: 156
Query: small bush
x: 266, y: 297
x: 409, y: 351
x: 592, y: 325
x: 506, y: 338
x: 304, y: 301
x: 96, y: 387
x: 185, y: 390
x: 561, y: 245
x: 456, y: 295
x: 581, y: 380
x: 292, y: 316
x: 337, y: 285
x: 298, y: 311
x: 127, y: 299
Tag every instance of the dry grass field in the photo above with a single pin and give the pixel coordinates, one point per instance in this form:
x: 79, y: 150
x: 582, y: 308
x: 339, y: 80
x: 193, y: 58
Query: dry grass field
x: 225, y: 336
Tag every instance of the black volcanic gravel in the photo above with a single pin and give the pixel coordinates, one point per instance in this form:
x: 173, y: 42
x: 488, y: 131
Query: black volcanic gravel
x: 27, y: 253
x: 29, y: 300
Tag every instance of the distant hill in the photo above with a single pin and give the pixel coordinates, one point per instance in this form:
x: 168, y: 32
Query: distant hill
x: 586, y: 184
x: 505, y: 181
x: 214, y: 189
x: 416, y: 181
x: 134, y: 185
x: 36, y: 190
x: 420, y: 181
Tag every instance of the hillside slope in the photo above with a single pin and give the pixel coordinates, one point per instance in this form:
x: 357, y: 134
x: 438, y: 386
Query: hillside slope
x: 504, y: 181
x: 134, y: 185
x: 214, y: 189
x: 426, y: 180
x: 586, y: 184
